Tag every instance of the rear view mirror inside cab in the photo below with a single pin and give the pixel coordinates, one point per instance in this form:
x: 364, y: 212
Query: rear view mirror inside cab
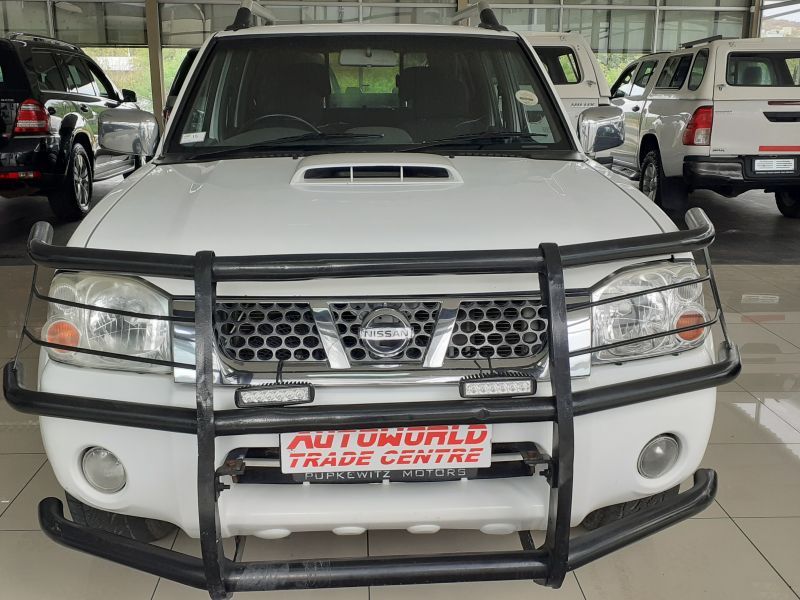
x: 368, y: 57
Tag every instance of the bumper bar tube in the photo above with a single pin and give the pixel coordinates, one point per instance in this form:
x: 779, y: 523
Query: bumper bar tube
x: 377, y: 571
x: 309, y: 418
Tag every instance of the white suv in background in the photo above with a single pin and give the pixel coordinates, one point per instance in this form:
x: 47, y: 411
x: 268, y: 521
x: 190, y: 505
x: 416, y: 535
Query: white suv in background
x: 718, y: 114
x: 573, y: 69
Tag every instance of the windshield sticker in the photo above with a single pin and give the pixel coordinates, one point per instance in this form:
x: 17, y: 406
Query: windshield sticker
x: 526, y: 98
x: 193, y: 138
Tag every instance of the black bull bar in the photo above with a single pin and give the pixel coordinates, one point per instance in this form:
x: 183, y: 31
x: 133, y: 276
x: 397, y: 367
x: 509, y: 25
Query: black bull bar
x: 221, y: 576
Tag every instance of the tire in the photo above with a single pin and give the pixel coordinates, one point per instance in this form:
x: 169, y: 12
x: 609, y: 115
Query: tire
x: 616, y: 512
x: 135, y: 528
x: 788, y: 202
x: 671, y: 193
x: 73, y: 201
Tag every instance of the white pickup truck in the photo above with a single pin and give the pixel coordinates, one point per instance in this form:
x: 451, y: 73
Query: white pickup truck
x: 573, y: 68
x: 371, y: 280
x: 718, y: 114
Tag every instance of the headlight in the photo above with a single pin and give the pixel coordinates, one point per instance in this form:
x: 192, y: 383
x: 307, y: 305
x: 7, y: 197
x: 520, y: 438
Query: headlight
x: 648, y: 314
x: 103, y: 331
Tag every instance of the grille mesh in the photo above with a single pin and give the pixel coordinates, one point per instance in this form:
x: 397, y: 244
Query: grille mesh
x: 499, y: 329
x: 349, y: 316
x: 267, y: 331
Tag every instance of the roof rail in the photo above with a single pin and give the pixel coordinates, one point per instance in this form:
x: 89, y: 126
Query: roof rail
x: 484, y: 11
x: 246, y: 11
x: 35, y: 37
x: 694, y: 43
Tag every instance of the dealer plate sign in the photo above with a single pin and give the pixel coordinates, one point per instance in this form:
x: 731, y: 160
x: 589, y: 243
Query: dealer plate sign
x: 387, y: 449
x: 774, y: 165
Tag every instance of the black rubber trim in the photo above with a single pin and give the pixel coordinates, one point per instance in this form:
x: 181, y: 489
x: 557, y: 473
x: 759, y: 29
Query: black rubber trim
x: 379, y: 570
x: 304, y: 418
x: 290, y: 267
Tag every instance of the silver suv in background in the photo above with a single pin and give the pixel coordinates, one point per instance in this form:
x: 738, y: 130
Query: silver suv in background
x: 718, y: 114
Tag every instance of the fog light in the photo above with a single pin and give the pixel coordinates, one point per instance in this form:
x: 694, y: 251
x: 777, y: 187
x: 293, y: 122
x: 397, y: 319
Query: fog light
x: 103, y: 470
x: 659, y: 456
x: 274, y: 394
x: 482, y: 386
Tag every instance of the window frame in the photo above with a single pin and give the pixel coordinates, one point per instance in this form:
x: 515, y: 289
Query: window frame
x: 97, y: 73
x: 644, y: 62
x: 171, y: 151
x: 564, y: 50
x: 63, y: 56
x: 761, y: 55
x: 632, y: 69
x: 53, y: 56
x: 702, y: 52
x: 678, y: 58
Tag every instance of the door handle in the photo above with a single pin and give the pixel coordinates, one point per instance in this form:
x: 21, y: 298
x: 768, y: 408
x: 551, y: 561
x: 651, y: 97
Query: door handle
x: 83, y: 108
x: 637, y: 108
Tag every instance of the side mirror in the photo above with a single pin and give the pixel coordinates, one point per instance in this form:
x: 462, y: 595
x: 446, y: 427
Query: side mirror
x: 618, y: 94
x: 128, y: 131
x: 128, y: 95
x: 601, y: 128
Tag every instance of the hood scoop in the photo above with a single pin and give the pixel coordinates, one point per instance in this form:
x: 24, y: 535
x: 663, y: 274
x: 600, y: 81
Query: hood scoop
x: 384, y: 169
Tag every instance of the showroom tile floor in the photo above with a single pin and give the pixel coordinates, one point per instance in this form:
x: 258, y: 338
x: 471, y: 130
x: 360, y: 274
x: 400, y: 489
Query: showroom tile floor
x: 745, y: 547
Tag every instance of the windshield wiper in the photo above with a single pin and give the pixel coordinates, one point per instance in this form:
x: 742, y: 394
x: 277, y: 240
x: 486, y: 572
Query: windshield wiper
x: 486, y: 136
x: 271, y: 144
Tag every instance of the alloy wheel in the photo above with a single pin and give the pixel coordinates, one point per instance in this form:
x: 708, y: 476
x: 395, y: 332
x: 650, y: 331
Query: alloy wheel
x: 81, y: 181
x: 650, y: 181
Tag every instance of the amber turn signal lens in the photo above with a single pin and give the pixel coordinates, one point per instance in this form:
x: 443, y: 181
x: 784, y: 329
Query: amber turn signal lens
x: 63, y: 333
x: 689, y: 319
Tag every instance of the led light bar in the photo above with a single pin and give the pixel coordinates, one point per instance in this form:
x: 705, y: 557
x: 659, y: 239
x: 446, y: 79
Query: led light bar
x: 274, y: 394
x: 497, y: 385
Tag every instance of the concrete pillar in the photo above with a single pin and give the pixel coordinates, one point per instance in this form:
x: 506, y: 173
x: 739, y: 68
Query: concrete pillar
x: 154, y: 51
x: 756, y: 13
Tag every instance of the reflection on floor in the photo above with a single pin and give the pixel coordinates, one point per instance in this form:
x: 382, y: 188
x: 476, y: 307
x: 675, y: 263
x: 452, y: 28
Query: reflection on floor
x: 745, y: 547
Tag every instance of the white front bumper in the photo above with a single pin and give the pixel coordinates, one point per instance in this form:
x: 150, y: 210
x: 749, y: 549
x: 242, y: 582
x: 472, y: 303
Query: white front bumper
x: 162, y: 466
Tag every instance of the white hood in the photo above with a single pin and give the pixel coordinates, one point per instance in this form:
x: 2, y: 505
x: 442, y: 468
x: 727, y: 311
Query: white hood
x: 252, y: 206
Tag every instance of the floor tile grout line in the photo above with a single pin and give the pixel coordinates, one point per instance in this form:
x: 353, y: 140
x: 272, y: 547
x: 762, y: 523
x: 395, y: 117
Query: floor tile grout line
x: 783, y: 338
x: 750, y: 323
x: 764, y: 404
x: 752, y: 543
x: 155, y: 589
x: 22, y: 489
x: 580, y: 587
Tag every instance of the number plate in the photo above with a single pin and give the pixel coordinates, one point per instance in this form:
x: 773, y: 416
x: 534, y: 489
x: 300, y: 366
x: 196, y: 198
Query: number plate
x: 773, y: 165
x: 387, y: 449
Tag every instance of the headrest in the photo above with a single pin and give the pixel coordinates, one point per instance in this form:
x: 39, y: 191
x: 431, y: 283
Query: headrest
x: 752, y: 75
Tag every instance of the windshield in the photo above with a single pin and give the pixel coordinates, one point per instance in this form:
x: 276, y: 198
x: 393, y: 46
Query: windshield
x: 367, y: 92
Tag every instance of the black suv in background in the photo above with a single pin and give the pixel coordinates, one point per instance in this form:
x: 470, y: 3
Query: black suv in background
x: 51, y: 95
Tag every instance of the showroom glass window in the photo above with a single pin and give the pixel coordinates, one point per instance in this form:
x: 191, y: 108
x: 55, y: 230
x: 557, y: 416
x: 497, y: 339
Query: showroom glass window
x: 392, y: 90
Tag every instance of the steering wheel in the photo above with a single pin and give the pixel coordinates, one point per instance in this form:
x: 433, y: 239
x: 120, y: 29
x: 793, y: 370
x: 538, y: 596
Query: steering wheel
x: 281, y: 116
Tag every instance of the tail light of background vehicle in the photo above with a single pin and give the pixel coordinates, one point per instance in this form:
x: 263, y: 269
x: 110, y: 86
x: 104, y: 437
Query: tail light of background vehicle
x: 698, y: 131
x: 32, y: 117
x: 16, y: 175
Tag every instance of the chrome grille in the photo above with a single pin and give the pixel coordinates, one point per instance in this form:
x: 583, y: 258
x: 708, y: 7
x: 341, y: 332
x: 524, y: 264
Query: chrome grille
x: 500, y: 328
x: 267, y: 331
x: 348, y: 317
